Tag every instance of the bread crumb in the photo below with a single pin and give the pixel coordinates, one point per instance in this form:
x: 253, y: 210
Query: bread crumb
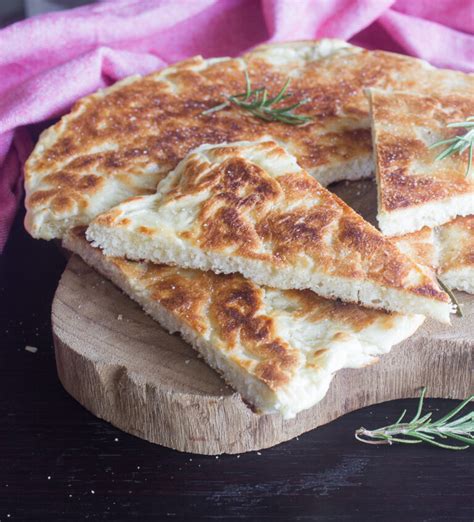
x: 31, y: 349
x: 119, y: 317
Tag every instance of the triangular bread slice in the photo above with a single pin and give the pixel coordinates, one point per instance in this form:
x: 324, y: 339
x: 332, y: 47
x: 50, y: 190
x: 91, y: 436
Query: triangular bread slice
x: 248, y: 207
x: 414, y: 189
x: 278, y: 348
x: 448, y: 250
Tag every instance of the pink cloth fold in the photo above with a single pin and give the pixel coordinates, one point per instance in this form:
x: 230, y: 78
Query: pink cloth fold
x: 49, y: 61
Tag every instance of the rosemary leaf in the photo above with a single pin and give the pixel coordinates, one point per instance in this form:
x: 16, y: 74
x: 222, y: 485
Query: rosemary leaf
x: 420, y: 406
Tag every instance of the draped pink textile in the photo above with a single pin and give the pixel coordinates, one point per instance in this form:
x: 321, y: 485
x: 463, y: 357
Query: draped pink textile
x: 49, y: 61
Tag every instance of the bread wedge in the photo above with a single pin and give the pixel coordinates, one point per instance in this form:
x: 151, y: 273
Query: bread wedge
x: 248, y: 207
x: 414, y: 189
x: 121, y: 141
x: 456, y: 259
x: 421, y: 246
x: 448, y: 250
x: 278, y: 348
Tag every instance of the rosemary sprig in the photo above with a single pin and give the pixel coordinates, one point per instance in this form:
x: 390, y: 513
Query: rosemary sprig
x: 424, y: 429
x: 452, y: 297
x: 258, y: 103
x: 460, y: 143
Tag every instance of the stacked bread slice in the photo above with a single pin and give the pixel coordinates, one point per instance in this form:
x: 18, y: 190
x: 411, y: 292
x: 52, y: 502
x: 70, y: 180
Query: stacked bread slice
x: 274, y: 280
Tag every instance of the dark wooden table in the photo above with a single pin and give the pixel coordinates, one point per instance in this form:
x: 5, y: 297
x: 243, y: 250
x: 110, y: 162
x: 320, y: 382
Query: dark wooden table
x: 58, y: 462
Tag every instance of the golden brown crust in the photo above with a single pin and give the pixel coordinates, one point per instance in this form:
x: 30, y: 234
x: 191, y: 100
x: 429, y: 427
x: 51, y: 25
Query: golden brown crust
x: 127, y: 138
x: 419, y: 246
x: 404, y: 125
x: 447, y: 250
x: 457, y: 244
x: 236, y: 314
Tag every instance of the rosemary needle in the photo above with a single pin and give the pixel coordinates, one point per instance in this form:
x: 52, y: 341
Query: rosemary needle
x: 258, y: 103
x: 459, y: 144
x: 424, y: 429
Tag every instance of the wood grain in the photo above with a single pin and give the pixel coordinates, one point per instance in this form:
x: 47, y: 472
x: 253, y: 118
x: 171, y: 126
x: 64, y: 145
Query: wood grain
x: 124, y: 368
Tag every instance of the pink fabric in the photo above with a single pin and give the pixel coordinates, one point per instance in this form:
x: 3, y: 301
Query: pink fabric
x: 49, y: 61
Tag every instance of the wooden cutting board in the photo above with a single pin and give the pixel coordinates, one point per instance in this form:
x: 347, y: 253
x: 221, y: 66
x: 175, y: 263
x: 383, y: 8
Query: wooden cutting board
x: 123, y: 367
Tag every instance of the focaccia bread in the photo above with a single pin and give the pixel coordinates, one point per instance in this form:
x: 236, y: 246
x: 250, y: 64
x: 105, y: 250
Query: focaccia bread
x: 456, y: 258
x: 121, y: 141
x: 414, y: 189
x: 421, y: 246
x: 279, y: 349
x: 447, y: 250
x: 248, y: 207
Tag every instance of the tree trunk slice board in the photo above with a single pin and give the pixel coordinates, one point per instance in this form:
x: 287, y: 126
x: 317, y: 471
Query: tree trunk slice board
x: 124, y: 368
